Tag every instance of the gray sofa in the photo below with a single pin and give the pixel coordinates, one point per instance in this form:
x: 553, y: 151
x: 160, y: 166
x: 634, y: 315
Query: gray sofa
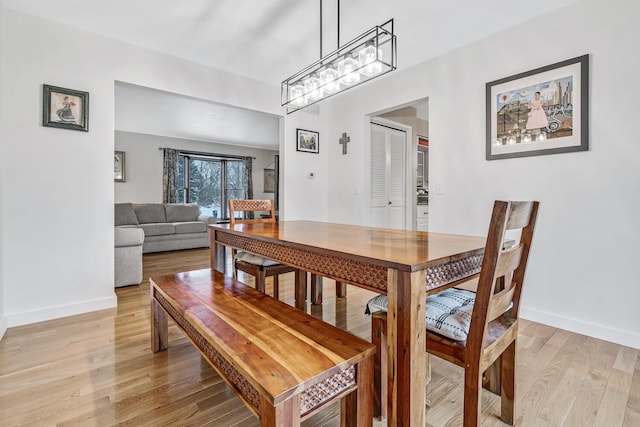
x: 166, y: 226
x: 154, y: 227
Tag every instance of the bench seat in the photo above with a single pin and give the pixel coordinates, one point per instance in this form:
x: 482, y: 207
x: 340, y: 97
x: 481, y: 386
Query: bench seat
x: 283, y: 363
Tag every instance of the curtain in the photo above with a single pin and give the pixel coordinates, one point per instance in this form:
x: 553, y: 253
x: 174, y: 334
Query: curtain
x: 248, y: 182
x: 170, y: 176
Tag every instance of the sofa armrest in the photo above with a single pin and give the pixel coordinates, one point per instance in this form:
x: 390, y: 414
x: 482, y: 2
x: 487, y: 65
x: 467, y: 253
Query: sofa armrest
x: 208, y: 219
x: 128, y: 236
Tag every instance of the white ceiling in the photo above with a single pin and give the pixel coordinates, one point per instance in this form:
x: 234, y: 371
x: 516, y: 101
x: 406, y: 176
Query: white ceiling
x: 154, y: 112
x: 270, y: 40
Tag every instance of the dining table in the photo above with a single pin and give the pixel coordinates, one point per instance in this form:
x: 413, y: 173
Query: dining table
x: 405, y: 265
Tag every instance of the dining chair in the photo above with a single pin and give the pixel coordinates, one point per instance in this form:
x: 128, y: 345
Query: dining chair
x: 258, y: 267
x: 475, y: 329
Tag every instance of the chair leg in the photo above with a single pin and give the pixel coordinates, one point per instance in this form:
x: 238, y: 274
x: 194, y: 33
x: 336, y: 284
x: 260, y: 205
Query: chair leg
x: 508, y: 384
x: 472, y: 395
x: 260, y: 281
x: 276, y: 287
x: 379, y: 339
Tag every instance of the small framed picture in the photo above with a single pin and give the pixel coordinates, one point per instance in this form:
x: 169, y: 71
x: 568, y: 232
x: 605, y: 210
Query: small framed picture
x: 307, y: 141
x: 542, y: 111
x: 118, y: 166
x: 269, y: 181
x: 65, y: 108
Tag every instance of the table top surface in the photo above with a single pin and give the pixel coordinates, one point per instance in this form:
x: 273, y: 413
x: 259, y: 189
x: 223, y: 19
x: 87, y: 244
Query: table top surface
x: 257, y: 333
x: 402, y: 249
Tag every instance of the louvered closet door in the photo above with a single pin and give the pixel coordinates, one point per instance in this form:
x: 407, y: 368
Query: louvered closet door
x: 388, y: 199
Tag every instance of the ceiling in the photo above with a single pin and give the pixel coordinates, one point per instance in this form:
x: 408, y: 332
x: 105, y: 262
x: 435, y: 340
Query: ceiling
x: 270, y: 40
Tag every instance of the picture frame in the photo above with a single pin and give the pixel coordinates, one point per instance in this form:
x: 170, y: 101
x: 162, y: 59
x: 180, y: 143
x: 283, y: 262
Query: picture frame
x: 307, y: 141
x: 539, y: 112
x: 65, y: 108
x: 118, y: 166
x: 269, y: 181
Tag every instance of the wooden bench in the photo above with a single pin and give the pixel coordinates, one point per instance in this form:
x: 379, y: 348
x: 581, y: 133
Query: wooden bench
x: 283, y: 363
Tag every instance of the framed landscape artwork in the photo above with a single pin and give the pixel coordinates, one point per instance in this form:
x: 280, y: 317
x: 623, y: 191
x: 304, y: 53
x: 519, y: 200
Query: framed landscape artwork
x: 307, y: 141
x: 542, y: 111
x: 65, y: 108
x: 118, y: 166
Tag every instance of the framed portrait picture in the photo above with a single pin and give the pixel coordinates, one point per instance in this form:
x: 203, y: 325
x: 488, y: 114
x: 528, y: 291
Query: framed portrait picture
x: 542, y: 111
x: 307, y: 141
x: 269, y: 181
x: 118, y: 166
x: 65, y: 108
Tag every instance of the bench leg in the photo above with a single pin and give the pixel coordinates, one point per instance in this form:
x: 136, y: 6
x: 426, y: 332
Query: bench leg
x: 159, y: 327
x: 316, y: 289
x: 356, y: 408
x: 285, y: 414
x: 276, y: 287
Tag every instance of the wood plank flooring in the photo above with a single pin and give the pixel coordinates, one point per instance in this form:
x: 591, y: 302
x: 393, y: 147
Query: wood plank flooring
x: 97, y: 369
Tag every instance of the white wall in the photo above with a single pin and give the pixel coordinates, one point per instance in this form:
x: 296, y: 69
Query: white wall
x: 305, y: 198
x: 143, y: 162
x: 58, y: 229
x: 580, y: 274
x: 3, y: 319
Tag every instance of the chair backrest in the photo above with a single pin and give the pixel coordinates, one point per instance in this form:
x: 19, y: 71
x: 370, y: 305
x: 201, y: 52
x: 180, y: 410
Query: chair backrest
x: 250, y: 205
x: 502, y: 265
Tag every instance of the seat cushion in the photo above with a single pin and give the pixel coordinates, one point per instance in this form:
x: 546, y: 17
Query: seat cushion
x: 124, y: 214
x: 181, y: 212
x: 448, y: 313
x: 158, y: 229
x: 148, y: 213
x: 254, y: 259
x: 190, y: 227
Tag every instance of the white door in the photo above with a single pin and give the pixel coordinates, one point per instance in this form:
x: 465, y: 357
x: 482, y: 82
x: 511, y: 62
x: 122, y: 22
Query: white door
x: 388, y: 198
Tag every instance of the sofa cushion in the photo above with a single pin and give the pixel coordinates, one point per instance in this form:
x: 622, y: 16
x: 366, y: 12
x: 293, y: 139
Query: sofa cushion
x: 158, y: 229
x: 179, y: 212
x: 148, y: 213
x: 190, y: 227
x: 124, y: 214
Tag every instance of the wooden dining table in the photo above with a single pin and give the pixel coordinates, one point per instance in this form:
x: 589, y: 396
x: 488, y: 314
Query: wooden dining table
x: 405, y: 265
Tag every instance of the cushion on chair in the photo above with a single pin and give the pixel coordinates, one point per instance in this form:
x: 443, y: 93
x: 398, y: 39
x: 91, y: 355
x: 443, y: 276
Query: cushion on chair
x: 254, y: 259
x: 182, y: 212
x: 124, y: 214
x: 448, y: 312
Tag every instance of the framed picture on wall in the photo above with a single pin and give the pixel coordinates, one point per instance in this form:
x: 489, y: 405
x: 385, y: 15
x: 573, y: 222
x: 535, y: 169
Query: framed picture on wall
x: 65, y: 108
x: 269, y: 181
x: 542, y: 111
x: 307, y: 141
x: 118, y: 166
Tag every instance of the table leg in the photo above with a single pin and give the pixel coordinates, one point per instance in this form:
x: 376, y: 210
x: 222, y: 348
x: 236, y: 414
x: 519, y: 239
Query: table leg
x: 316, y: 289
x: 341, y: 289
x: 286, y: 413
x: 406, y: 361
x: 159, y: 327
x: 218, y: 258
x: 301, y: 290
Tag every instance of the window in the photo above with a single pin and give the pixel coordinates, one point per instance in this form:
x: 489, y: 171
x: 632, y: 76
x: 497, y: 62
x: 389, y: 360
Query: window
x: 210, y: 182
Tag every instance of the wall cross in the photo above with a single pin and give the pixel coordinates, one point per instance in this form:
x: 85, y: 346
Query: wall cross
x: 344, y: 140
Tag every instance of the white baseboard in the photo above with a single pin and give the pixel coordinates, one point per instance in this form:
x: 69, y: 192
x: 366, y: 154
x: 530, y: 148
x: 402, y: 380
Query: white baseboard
x: 57, y: 312
x: 3, y: 326
x: 626, y: 338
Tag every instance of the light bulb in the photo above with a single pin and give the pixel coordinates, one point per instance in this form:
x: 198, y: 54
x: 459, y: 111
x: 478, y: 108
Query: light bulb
x: 311, y: 87
x: 329, y: 80
x: 296, y: 95
x: 542, y: 136
x: 526, y: 138
x: 369, y: 60
x: 348, y: 70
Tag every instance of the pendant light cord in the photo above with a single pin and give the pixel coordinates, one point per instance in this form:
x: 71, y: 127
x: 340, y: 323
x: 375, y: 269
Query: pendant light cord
x: 338, y: 47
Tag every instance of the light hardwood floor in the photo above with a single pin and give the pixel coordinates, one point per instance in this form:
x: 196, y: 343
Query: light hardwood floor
x: 97, y: 369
